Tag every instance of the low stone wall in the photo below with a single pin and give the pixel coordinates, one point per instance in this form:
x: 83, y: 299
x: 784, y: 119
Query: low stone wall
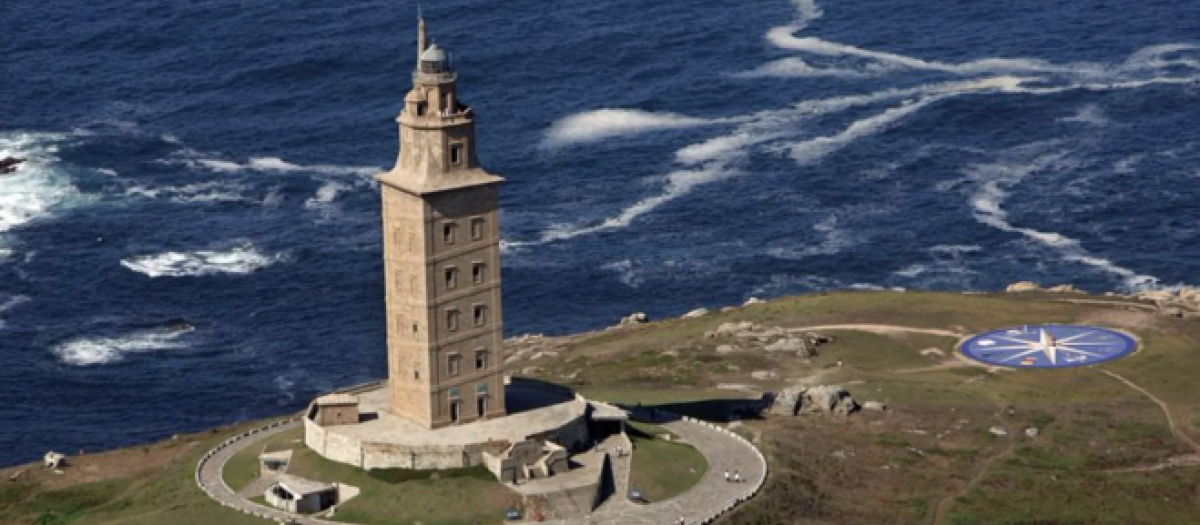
x: 751, y: 491
x: 368, y: 455
x: 200, y: 465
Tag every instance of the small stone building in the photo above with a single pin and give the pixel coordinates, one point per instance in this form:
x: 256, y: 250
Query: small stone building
x: 527, y: 459
x: 336, y: 409
x: 273, y: 463
x: 300, y: 495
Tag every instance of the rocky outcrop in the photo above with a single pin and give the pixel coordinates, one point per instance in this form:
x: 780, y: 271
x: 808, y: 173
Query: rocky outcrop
x: 1023, y: 286
x: 634, y: 319
x: 10, y: 165
x: 874, y: 405
x: 1064, y: 288
x: 753, y: 301
x: 699, y: 312
x: 824, y: 399
x: 792, y: 345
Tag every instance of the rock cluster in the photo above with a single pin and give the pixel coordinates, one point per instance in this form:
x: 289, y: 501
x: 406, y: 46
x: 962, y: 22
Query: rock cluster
x: 1030, y: 286
x: 825, y: 399
x: 633, y: 319
x: 774, y: 339
x: 1181, y: 302
x: 9, y: 165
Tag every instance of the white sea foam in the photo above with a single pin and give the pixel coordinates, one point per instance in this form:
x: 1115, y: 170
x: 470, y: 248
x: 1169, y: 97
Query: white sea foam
x: 994, y: 182
x: 217, y: 191
x: 955, y: 249
x: 40, y: 185
x: 1128, y: 165
x: 103, y: 350
x: 239, y: 260
x: 266, y: 164
x: 626, y: 273
x: 10, y: 302
x: 325, y: 195
x: 600, y: 124
x: 1090, y: 114
x: 796, y: 67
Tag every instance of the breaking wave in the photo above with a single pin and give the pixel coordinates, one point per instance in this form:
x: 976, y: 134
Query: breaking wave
x: 104, y: 350
x: 197, y: 159
x: 40, y: 185
x: 240, y: 260
x: 600, y: 124
x: 995, y: 179
x: 10, y: 302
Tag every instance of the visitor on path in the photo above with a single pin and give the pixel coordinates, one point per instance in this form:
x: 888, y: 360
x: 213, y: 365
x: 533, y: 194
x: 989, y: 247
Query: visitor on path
x: 737, y: 477
x: 727, y: 478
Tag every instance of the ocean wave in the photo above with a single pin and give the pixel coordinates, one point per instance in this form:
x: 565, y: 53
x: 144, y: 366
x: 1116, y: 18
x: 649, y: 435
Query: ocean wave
x: 324, y: 197
x: 1090, y: 114
x: 217, y: 191
x: 10, y: 302
x: 104, y: 350
x: 240, y: 260
x: 600, y: 124
x: 40, y: 185
x: 995, y: 179
x: 196, y: 159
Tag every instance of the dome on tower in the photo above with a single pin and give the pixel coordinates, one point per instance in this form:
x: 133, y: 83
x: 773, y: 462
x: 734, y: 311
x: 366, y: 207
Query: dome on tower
x: 433, y: 54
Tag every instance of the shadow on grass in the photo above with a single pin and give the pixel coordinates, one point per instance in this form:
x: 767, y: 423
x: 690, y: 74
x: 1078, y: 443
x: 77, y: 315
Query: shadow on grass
x: 715, y: 410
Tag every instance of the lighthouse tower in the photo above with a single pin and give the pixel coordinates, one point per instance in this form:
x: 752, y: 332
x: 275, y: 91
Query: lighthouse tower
x: 441, y: 258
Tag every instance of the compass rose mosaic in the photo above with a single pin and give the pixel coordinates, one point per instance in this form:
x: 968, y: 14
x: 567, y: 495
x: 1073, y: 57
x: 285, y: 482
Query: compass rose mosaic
x: 1048, y: 346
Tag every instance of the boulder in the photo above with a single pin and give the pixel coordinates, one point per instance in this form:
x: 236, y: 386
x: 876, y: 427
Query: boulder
x: 793, y: 345
x: 1031, y: 432
x: 787, y: 401
x: 998, y: 431
x: 699, y: 312
x: 725, y: 309
x: 634, y: 319
x: 763, y: 375
x: 54, y: 460
x: 753, y: 300
x: 735, y: 329
x: 9, y: 165
x: 830, y: 399
x: 725, y: 349
x: 874, y: 405
x: 1023, y: 286
x: 826, y: 399
x: 1064, y: 288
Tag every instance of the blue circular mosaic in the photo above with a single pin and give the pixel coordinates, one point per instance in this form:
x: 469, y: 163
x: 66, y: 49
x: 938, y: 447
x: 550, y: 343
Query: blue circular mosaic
x: 1048, y: 346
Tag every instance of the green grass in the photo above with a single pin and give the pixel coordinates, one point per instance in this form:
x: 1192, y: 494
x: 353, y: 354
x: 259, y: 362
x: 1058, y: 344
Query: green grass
x: 243, y: 467
x: 461, y: 496
x: 663, y: 469
x: 163, y: 496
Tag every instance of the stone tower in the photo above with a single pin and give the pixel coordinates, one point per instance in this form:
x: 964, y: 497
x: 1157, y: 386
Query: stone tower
x: 442, y: 258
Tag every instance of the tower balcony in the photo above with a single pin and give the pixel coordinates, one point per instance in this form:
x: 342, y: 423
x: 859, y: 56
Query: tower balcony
x: 444, y: 77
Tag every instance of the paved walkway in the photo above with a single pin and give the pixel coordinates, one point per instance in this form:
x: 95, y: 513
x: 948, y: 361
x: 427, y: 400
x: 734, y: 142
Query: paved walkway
x: 208, y: 476
x: 702, y: 503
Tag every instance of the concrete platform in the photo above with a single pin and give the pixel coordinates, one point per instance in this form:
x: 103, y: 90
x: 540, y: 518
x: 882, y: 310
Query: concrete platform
x: 385, y: 440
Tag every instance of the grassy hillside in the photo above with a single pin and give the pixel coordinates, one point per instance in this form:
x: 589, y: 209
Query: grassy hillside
x: 1104, y: 453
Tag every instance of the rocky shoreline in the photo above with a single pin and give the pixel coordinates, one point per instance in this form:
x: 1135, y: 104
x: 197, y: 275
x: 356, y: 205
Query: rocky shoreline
x: 1183, y: 301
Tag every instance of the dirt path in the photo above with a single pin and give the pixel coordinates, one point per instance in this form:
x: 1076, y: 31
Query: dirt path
x: 1179, y: 433
x: 887, y: 329
x: 942, y: 507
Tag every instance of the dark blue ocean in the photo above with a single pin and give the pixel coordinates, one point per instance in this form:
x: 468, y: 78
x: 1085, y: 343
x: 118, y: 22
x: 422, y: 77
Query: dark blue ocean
x: 208, y: 163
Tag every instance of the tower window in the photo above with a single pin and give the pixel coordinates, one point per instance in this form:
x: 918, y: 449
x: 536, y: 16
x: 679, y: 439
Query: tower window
x: 481, y: 359
x: 416, y: 374
x: 456, y: 153
x: 451, y: 278
x: 421, y: 106
x: 481, y: 389
x: 477, y: 228
x: 452, y: 319
x: 453, y: 392
x: 478, y: 271
x: 480, y: 315
x: 453, y: 365
x: 448, y: 232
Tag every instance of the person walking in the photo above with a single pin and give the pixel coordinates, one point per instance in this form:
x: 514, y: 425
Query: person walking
x: 726, y: 476
x: 737, y: 477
